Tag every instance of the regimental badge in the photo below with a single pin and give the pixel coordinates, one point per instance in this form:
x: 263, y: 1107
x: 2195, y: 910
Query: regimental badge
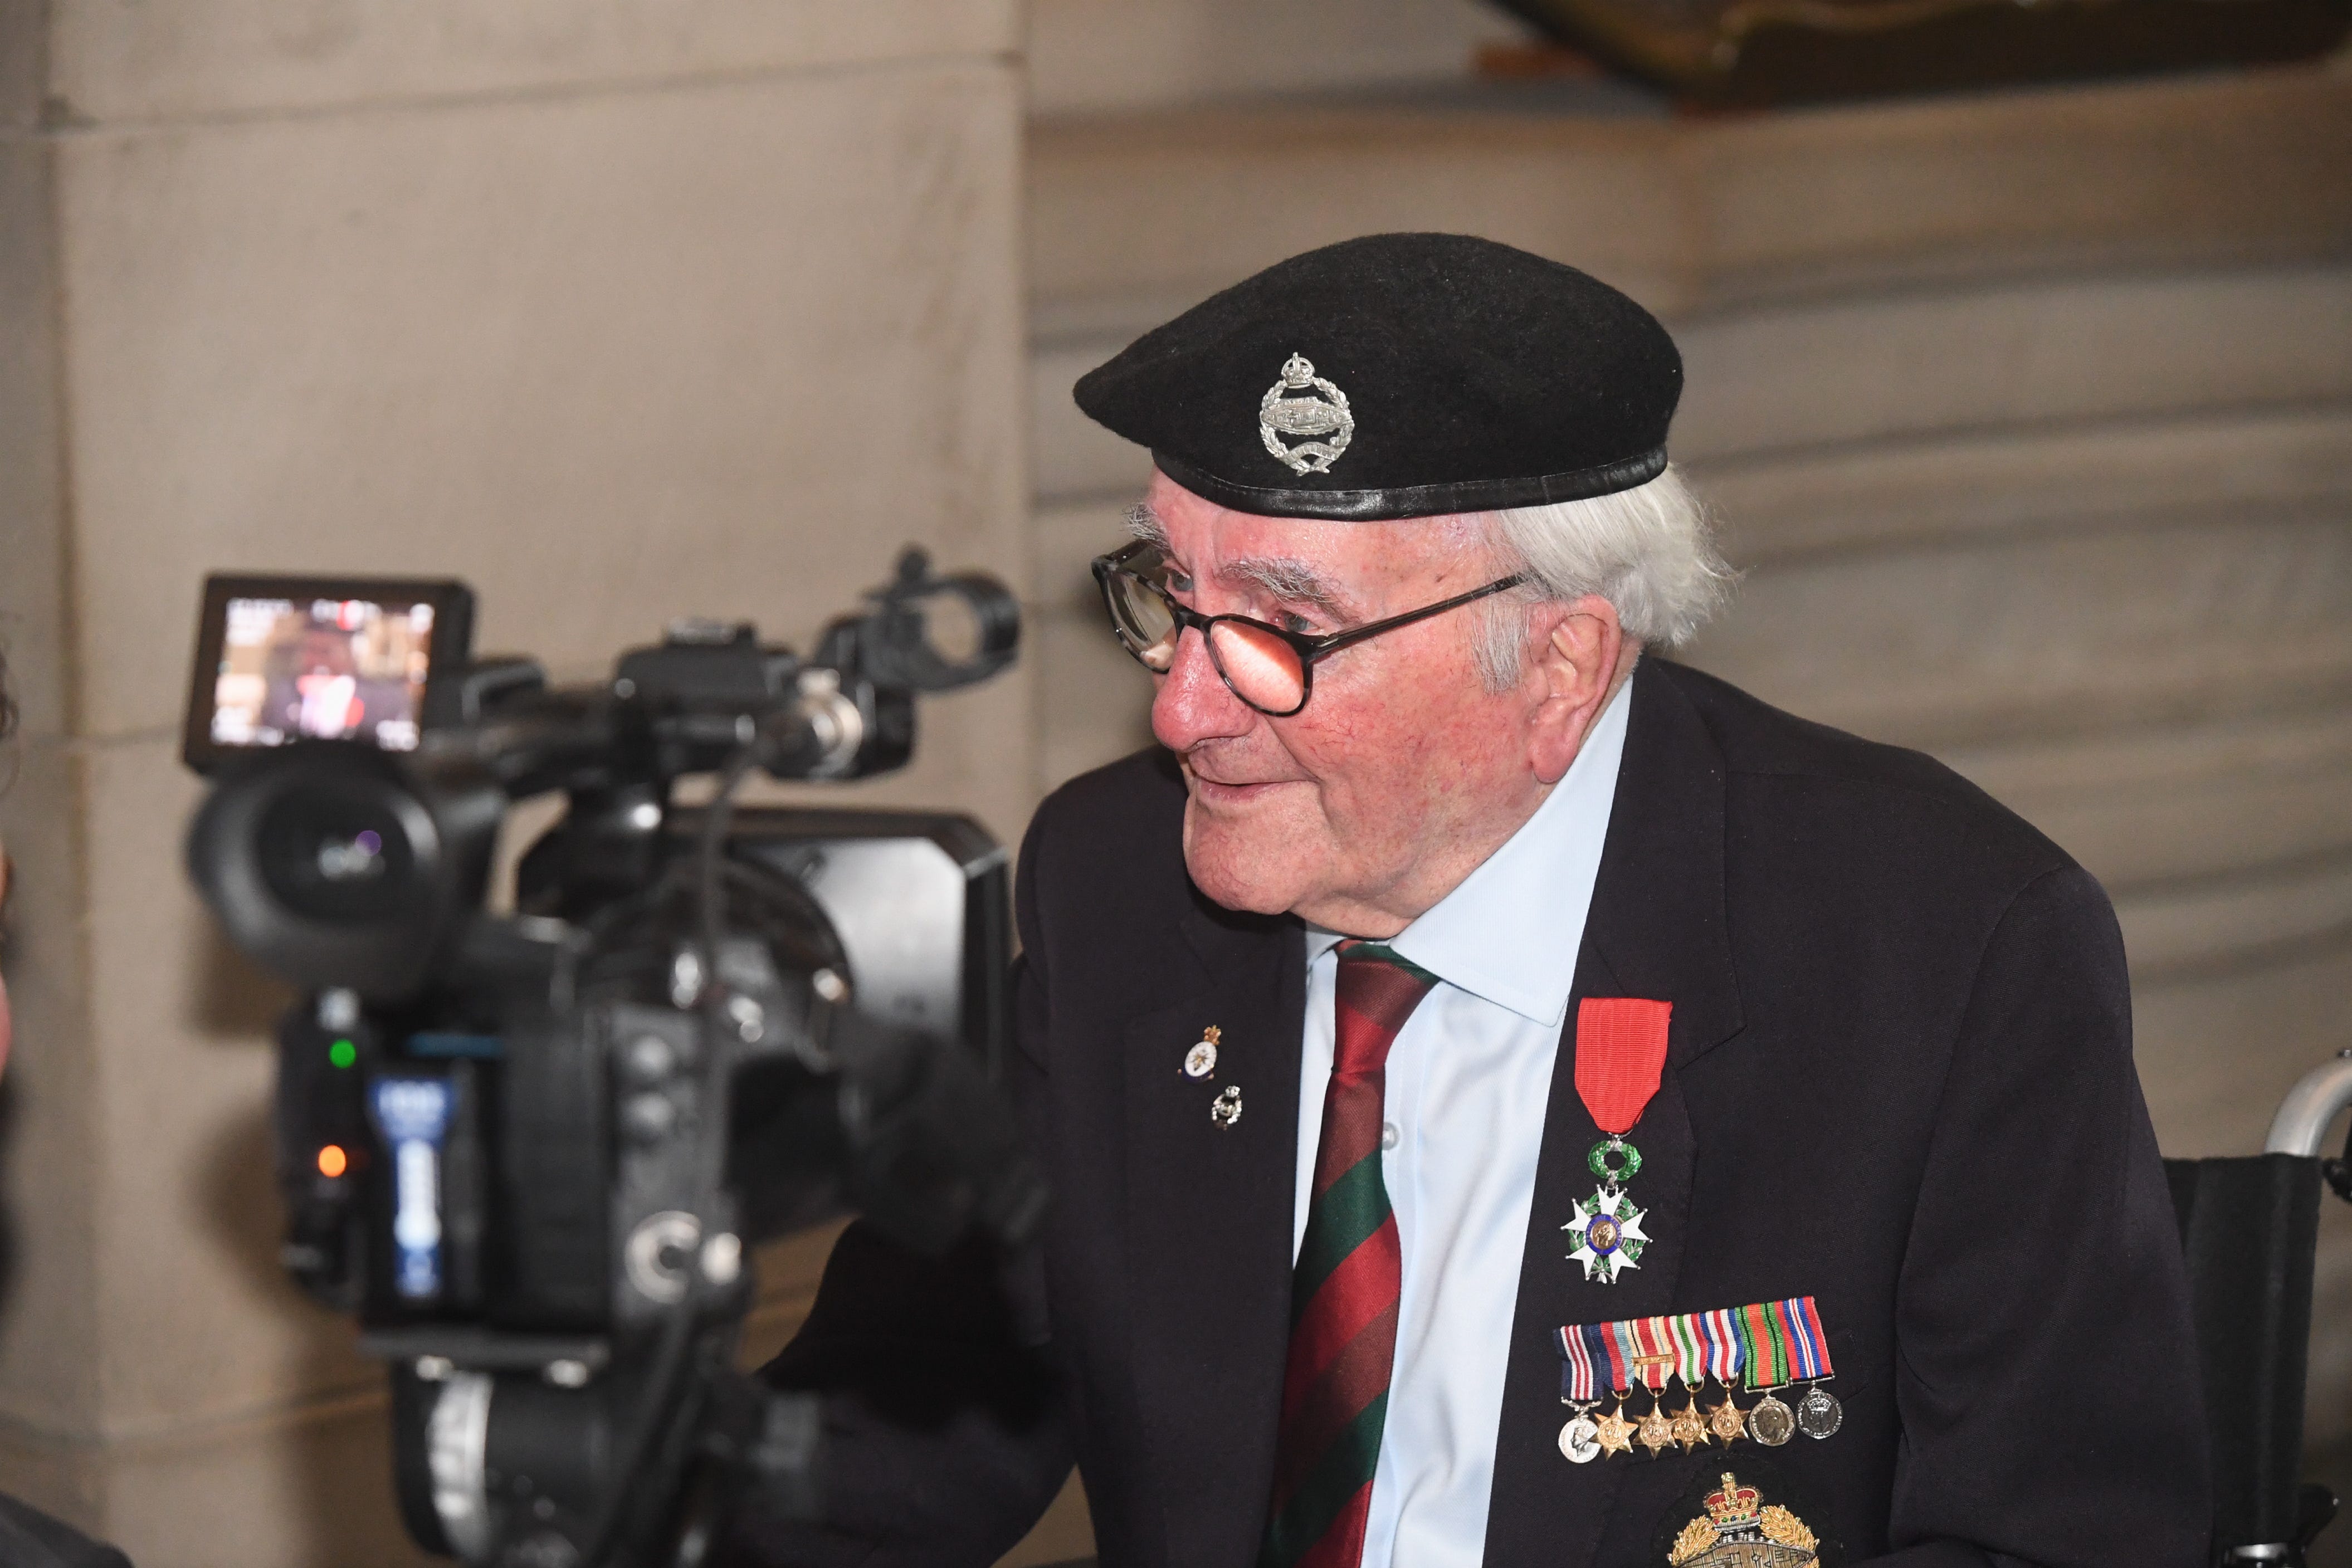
x: 1226, y: 1108
x: 1201, y: 1060
x: 1302, y: 403
x: 1740, y: 1530
x: 1608, y: 1235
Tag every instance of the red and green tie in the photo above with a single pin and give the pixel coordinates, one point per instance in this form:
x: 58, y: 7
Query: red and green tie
x: 1345, y: 1287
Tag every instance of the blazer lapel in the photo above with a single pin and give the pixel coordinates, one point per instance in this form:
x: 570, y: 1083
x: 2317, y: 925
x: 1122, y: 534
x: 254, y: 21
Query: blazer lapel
x: 1209, y: 1217
x: 1655, y: 929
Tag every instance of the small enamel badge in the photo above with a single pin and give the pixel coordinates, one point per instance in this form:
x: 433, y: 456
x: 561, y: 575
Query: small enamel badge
x: 1740, y: 1530
x: 1201, y: 1060
x: 1304, y: 403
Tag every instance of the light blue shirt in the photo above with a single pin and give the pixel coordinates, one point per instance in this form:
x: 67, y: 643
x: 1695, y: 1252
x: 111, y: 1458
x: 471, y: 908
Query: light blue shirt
x: 1468, y: 1079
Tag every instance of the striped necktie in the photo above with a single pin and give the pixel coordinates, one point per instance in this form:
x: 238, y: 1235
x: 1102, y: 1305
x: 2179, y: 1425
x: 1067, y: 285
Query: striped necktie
x: 1345, y: 1287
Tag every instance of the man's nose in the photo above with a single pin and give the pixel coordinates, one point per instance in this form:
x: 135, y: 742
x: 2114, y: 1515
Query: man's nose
x: 1193, y: 703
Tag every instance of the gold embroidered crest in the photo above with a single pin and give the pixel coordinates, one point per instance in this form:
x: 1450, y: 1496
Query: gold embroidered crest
x: 1740, y: 1530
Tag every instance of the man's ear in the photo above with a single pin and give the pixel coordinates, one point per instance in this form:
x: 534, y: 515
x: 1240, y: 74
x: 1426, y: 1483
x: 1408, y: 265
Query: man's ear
x: 1583, y: 655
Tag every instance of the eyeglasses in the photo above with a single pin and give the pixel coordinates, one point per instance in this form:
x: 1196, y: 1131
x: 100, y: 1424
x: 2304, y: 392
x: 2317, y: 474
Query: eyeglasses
x: 1268, y: 667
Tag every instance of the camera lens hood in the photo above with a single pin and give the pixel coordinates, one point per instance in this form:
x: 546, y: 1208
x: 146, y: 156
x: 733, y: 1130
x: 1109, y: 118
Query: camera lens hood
x: 334, y: 864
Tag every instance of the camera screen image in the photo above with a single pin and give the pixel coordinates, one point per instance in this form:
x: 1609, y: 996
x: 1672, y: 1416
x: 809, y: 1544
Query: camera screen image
x: 321, y: 669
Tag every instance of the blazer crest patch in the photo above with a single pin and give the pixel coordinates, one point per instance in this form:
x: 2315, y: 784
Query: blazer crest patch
x: 1742, y: 1517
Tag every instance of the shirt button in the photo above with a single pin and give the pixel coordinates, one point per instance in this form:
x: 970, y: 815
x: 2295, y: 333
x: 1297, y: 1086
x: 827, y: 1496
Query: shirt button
x: 1388, y: 1135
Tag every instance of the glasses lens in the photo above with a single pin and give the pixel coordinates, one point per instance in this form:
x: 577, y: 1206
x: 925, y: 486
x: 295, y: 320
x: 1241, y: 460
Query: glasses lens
x: 1143, y: 619
x: 1264, y: 671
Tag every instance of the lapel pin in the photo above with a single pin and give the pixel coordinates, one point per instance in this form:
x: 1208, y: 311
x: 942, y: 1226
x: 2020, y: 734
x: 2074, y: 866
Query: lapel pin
x: 1201, y: 1060
x: 1226, y: 1109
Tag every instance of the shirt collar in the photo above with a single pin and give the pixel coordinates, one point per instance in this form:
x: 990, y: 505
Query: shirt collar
x: 1498, y: 933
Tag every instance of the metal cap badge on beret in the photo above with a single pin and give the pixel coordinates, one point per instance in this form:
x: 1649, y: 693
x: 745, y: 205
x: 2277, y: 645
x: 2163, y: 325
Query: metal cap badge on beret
x: 1398, y: 376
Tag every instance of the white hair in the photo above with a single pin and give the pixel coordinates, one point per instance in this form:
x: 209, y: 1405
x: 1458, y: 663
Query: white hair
x: 1647, y: 550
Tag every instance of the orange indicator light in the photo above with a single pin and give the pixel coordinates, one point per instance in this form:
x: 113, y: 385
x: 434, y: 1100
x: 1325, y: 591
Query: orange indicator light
x: 332, y: 1161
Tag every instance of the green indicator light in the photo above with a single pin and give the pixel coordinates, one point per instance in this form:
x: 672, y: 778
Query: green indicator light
x: 342, y: 1053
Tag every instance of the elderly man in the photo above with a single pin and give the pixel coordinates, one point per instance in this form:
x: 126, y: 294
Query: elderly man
x: 1512, y: 1099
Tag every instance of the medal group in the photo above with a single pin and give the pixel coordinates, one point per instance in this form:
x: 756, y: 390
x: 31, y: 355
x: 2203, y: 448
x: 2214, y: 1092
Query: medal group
x: 1766, y: 1346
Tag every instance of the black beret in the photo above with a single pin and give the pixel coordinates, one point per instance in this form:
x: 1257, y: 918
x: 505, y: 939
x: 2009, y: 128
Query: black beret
x: 1398, y: 376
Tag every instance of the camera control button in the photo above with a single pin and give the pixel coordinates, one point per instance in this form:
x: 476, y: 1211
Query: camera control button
x: 649, y: 1059
x: 648, y: 1118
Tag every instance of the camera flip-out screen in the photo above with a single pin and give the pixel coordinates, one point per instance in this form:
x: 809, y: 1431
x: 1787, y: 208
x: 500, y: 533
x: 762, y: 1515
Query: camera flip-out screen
x: 280, y: 659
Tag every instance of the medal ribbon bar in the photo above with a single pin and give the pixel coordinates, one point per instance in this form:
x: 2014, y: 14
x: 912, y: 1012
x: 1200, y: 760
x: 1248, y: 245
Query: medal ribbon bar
x: 1808, y: 1347
x: 1771, y: 1342
x: 1768, y: 1353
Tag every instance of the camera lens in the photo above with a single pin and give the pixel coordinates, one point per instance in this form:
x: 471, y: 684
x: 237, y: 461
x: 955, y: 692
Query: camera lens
x: 337, y: 851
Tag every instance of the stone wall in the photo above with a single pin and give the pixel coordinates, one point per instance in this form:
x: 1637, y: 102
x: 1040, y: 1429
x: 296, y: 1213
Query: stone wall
x: 1097, y: 55
x: 622, y: 310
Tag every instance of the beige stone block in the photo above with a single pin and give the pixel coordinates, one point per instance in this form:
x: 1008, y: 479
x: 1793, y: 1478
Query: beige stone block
x: 1095, y: 700
x: 1068, y: 538
x: 49, y: 1173
x: 1691, y: 214
x: 309, y: 1486
x: 613, y: 360
x: 2087, y: 348
x: 24, y: 62
x: 2177, y: 803
x: 1148, y: 203
x: 1091, y: 55
x: 2228, y: 168
x: 2046, y: 635
x: 113, y: 61
x: 1974, y: 483
x: 1074, y: 456
x: 32, y: 506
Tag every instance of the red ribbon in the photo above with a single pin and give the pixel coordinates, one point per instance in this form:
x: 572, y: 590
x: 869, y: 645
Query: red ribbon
x: 1621, y: 1049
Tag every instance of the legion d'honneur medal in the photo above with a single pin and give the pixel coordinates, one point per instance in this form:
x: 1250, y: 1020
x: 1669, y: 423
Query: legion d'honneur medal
x: 1767, y: 1346
x: 1621, y: 1049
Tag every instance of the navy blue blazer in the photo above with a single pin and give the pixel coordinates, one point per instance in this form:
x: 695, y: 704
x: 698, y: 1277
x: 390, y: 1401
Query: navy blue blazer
x: 1898, y: 1079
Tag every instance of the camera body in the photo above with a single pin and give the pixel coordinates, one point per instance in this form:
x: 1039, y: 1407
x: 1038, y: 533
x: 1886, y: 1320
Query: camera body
x: 529, y: 1150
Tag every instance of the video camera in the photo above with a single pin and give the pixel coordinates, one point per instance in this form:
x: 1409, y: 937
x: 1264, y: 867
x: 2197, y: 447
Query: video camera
x: 529, y: 1150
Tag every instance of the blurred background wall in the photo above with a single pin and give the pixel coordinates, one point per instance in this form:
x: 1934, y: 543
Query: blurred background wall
x: 2029, y: 414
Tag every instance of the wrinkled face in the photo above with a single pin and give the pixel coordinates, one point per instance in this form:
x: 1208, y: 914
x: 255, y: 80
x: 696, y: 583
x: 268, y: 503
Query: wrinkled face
x: 1402, y: 773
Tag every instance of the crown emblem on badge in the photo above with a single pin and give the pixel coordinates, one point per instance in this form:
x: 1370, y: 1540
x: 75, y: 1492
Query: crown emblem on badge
x: 1740, y: 1530
x: 1302, y: 403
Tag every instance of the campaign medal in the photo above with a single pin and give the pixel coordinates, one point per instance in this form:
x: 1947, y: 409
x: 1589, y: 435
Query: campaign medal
x: 1785, y: 1345
x: 1767, y: 1346
x: 1621, y: 1049
x: 1613, y: 1432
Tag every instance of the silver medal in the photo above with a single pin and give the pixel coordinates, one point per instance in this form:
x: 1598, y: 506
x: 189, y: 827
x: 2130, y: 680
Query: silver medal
x: 1771, y: 1423
x: 1580, y: 1440
x: 1819, y: 1414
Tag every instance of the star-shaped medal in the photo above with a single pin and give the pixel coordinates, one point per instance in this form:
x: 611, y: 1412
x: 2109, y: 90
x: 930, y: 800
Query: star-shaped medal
x: 1728, y: 1421
x: 1657, y: 1433
x: 1608, y: 1235
x: 1613, y: 1432
x: 1690, y: 1429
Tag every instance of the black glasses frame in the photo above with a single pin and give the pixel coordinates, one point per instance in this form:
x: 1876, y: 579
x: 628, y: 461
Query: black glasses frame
x: 1310, y: 649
